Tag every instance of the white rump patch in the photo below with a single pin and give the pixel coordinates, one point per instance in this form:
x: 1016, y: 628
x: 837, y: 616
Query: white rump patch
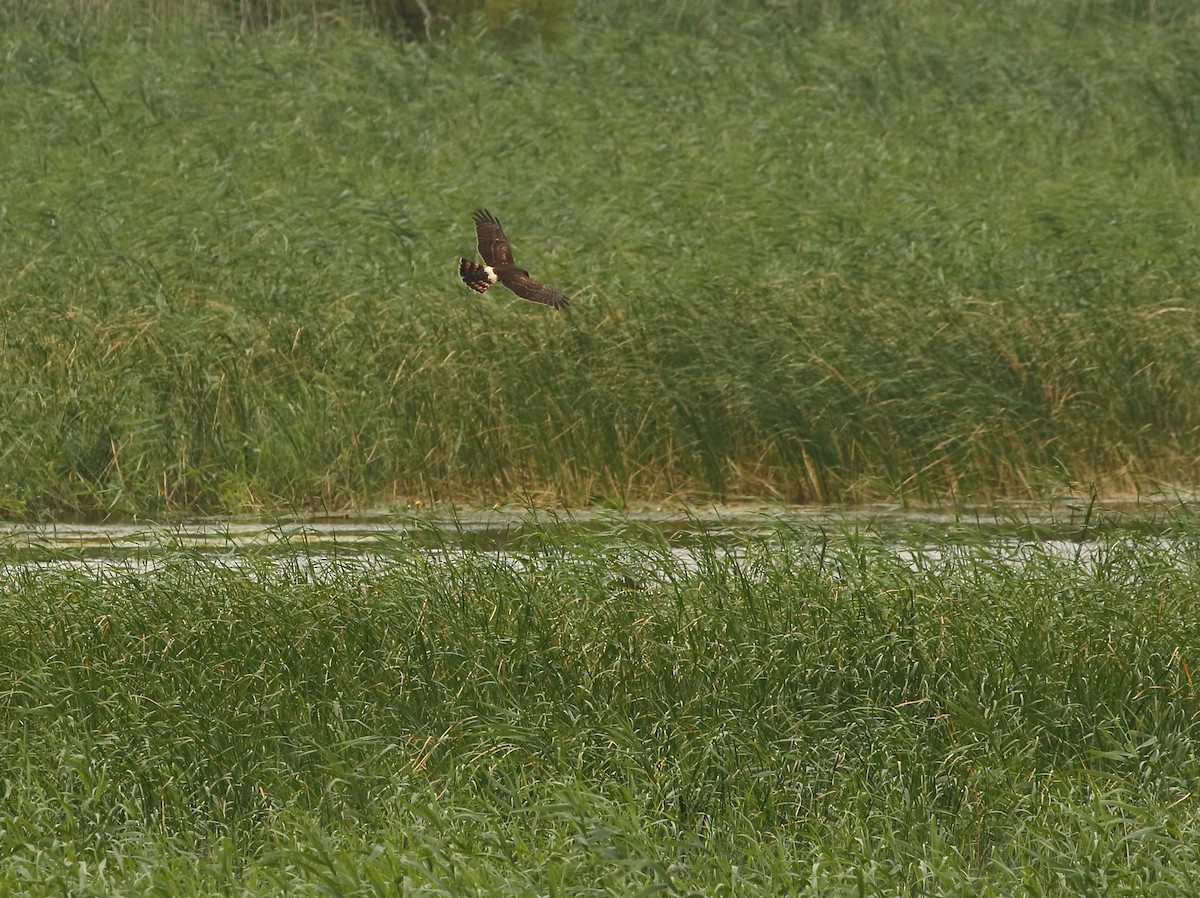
x: 491, y: 273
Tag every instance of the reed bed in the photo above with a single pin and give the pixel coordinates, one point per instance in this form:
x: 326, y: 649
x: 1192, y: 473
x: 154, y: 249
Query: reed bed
x: 818, y: 252
x: 601, y: 713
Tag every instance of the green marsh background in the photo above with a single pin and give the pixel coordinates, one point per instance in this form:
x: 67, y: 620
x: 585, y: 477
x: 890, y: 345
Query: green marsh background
x: 598, y: 712
x: 819, y: 251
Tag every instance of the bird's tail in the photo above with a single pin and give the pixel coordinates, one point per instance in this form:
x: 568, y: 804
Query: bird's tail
x: 477, y: 277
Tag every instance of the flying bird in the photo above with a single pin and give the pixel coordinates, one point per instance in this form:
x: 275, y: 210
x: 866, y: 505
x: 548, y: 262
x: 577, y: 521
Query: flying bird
x: 498, y: 266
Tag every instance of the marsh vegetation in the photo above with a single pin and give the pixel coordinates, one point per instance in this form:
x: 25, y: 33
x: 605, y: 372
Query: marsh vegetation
x: 600, y: 713
x: 819, y: 252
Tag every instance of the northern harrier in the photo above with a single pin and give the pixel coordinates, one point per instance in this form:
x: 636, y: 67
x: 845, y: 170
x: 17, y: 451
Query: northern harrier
x: 498, y: 266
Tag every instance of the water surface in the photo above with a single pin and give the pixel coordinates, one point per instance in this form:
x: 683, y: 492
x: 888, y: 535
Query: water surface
x: 1068, y: 525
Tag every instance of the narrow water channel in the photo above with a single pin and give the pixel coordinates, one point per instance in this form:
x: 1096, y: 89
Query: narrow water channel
x: 1068, y: 525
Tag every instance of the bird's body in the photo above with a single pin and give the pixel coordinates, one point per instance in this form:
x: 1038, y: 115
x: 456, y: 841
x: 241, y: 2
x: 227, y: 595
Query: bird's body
x: 498, y: 265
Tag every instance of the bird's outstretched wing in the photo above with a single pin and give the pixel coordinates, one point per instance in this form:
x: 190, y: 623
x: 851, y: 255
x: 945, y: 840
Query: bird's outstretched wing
x: 493, y: 244
x: 526, y: 287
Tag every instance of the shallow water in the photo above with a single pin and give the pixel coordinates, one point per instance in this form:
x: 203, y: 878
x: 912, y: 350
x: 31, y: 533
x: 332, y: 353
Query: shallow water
x: 1069, y: 527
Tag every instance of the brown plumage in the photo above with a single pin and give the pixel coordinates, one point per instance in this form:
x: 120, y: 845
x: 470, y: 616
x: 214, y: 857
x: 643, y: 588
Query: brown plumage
x: 498, y: 266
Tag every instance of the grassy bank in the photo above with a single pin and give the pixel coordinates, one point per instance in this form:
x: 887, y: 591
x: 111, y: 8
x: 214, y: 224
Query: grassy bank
x: 596, y: 714
x: 817, y: 253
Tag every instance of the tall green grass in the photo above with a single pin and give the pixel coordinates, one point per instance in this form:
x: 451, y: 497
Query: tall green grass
x: 818, y: 252
x: 509, y: 20
x: 600, y: 714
